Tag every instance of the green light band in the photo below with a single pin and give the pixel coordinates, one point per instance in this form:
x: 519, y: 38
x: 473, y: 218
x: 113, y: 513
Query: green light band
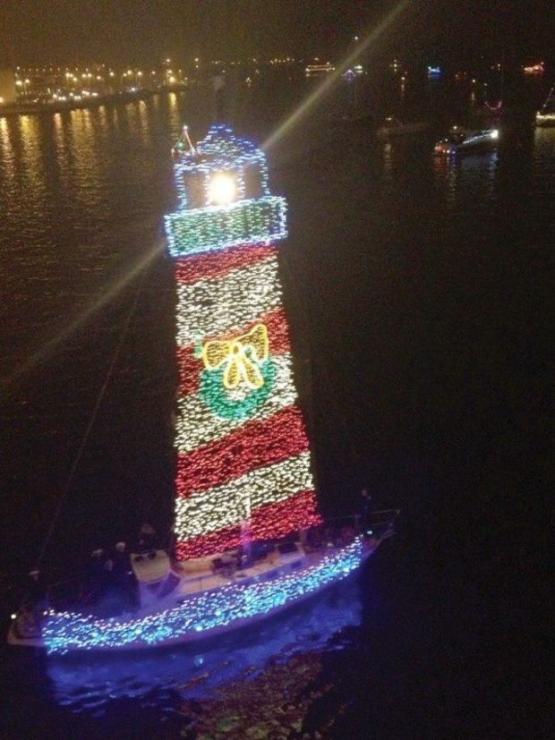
x: 227, y: 405
x: 212, y: 228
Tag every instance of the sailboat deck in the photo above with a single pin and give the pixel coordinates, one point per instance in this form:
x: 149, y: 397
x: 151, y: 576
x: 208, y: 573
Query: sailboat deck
x: 207, y: 580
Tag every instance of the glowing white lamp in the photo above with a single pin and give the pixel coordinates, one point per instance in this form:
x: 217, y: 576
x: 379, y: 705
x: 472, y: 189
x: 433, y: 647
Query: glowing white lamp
x: 222, y: 189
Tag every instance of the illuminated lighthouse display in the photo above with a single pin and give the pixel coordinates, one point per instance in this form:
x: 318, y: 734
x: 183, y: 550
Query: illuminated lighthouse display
x: 243, y: 456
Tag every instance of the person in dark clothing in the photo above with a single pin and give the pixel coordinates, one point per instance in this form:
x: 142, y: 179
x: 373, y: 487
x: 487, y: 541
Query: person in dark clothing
x: 120, y: 559
x: 95, y: 579
x: 123, y: 577
x: 148, y: 539
x: 366, y: 499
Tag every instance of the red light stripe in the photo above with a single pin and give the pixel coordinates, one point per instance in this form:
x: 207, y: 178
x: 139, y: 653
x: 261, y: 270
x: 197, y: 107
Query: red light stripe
x: 267, y: 522
x: 217, y: 264
x: 190, y: 367
x: 254, y: 445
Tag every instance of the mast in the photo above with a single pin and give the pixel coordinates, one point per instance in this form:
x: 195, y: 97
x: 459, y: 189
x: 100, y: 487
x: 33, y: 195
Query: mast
x: 243, y: 455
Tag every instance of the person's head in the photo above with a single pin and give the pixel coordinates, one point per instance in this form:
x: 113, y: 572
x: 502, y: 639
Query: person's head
x: 35, y: 573
x: 97, y: 554
x: 120, y: 546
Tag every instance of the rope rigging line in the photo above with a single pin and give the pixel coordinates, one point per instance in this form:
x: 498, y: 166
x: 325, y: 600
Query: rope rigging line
x: 94, y: 414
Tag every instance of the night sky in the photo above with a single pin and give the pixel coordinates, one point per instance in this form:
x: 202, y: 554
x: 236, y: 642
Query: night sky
x: 145, y: 31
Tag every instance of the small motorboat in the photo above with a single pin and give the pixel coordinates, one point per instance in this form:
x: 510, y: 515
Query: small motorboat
x: 394, y: 127
x: 463, y: 141
x: 546, y: 115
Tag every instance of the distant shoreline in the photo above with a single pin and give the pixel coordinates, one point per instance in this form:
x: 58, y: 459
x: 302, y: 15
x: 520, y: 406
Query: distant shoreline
x: 89, y: 103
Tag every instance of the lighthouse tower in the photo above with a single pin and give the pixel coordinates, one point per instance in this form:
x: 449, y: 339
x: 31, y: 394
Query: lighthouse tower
x: 243, y: 457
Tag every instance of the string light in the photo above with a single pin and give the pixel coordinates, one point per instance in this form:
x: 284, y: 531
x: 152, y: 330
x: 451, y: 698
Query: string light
x: 242, y: 446
x: 261, y: 442
x: 227, y: 504
x: 224, y: 196
x: 218, y: 264
x: 214, y: 306
x: 247, y: 222
x: 241, y: 357
x: 220, y: 151
x: 197, y: 424
x: 200, y: 613
x: 190, y: 365
x: 270, y: 521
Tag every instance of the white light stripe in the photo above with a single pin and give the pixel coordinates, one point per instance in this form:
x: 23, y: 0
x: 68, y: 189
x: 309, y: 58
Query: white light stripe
x: 215, y: 305
x: 197, y: 425
x: 226, y: 505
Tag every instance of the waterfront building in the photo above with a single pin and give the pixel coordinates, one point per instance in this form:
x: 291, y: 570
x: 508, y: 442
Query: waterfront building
x: 8, y: 90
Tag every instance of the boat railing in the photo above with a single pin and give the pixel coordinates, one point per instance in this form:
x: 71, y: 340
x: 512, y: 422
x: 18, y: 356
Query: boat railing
x: 364, y: 519
x: 62, y: 593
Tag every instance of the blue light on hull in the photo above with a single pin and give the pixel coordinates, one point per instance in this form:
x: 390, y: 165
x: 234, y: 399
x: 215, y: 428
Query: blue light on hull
x: 198, y: 614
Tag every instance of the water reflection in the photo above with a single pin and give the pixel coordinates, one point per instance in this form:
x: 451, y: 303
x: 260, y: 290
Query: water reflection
x: 544, y: 146
x: 388, y: 163
x: 466, y: 177
x: 7, y: 155
x: 86, y: 682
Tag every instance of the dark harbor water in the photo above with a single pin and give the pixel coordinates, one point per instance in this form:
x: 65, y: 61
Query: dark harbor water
x: 419, y: 292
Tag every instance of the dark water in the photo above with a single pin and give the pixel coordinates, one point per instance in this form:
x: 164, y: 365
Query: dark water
x: 419, y: 294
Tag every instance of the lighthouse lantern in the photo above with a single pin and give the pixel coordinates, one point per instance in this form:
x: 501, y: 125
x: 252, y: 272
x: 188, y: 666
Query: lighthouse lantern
x: 225, y: 199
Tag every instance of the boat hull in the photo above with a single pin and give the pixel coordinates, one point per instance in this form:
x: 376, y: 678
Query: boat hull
x: 207, y: 614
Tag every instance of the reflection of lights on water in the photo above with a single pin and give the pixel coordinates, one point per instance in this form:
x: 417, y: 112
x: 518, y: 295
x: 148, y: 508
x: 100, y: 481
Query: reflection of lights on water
x: 388, y: 161
x: 199, y: 669
x: 4, y: 134
x: 317, y: 95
